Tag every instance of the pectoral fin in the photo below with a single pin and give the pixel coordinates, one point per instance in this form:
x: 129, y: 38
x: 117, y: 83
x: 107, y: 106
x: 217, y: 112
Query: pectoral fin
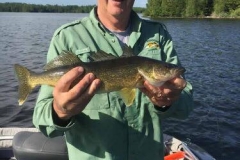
x: 128, y: 96
x: 153, y: 81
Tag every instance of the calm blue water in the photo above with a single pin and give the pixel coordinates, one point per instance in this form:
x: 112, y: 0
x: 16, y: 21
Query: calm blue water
x: 209, y: 50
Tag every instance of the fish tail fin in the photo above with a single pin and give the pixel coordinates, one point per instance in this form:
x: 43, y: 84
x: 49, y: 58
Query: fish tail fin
x: 24, y: 79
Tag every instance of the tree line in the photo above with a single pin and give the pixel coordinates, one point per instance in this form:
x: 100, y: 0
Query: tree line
x: 154, y: 8
x: 23, y: 7
x: 193, y: 8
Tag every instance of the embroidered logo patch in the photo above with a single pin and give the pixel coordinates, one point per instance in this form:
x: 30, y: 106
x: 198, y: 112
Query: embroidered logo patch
x: 152, y: 45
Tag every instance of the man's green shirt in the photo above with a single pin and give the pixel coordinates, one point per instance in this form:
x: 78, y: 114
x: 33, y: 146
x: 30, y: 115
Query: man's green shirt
x: 107, y: 129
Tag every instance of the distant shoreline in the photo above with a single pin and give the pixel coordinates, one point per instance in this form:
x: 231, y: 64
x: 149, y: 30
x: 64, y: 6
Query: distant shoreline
x: 145, y: 17
x: 207, y: 17
x: 40, y: 8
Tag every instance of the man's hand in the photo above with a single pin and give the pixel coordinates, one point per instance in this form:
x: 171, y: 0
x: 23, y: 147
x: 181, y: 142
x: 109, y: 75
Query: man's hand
x: 166, y: 94
x: 70, y: 100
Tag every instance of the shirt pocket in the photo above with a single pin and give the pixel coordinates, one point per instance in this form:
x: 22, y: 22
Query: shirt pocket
x: 83, y: 54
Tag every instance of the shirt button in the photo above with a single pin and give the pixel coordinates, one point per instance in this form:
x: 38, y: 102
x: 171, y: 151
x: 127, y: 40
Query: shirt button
x: 113, y: 40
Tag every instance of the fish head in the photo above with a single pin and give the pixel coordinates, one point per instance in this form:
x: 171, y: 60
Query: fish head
x: 158, y: 73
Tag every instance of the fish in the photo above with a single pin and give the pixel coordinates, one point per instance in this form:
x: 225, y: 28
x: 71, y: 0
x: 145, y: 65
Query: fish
x: 123, y: 74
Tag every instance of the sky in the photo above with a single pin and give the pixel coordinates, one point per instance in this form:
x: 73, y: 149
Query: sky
x: 138, y: 3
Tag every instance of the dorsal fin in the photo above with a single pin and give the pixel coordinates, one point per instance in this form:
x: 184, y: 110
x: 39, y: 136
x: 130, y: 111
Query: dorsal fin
x: 101, y: 56
x: 66, y: 58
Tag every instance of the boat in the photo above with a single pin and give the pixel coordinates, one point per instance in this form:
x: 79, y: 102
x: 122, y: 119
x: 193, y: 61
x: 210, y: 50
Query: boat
x: 30, y: 144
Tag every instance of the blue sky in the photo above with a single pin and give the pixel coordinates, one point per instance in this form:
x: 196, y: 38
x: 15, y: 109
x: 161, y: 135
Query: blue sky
x: 138, y: 3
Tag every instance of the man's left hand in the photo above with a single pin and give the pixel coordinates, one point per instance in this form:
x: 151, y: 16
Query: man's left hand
x: 166, y: 94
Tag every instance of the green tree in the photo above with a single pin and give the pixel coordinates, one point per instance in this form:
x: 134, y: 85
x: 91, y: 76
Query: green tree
x: 153, y: 8
x: 219, y: 6
x: 164, y: 8
x: 191, y: 8
x: 231, y: 5
x: 207, y: 8
x: 179, y: 7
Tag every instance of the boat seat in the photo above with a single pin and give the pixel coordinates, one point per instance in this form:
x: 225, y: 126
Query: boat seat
x: 35, y: 146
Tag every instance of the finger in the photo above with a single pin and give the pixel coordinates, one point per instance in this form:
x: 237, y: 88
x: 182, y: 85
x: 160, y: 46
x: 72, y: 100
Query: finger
x: 151, y: 89
x: 88, y: 94
x: 158, y: 101
x: 94, y: 86
x: 170, y: 92
x: 145, y: 91
x: 66, y: 80
x: 148, y: 85
x: 150, y: 95
x: 161, y: 101
x: 176, y: 83
x: 82, y: 85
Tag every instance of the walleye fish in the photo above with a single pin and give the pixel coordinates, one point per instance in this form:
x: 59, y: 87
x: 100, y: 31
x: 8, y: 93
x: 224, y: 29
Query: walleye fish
x: 123, y: 74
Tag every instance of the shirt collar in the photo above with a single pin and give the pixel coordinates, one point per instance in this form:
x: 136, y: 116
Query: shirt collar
x: 136, y: 21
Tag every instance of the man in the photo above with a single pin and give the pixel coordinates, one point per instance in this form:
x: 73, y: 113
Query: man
x: 100, y: 126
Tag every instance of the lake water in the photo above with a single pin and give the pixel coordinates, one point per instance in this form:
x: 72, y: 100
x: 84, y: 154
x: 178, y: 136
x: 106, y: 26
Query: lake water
x: 208, y: 48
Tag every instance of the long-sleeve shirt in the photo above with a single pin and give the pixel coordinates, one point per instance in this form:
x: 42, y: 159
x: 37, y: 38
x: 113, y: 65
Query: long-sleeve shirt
x: 106, y: 129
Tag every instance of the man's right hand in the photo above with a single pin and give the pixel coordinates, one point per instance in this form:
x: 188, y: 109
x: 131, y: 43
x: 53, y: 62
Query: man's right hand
x: 70, y: 100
